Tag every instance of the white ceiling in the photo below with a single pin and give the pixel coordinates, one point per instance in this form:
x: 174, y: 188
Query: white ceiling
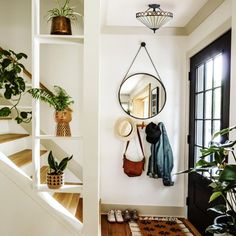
x: 123, y: 12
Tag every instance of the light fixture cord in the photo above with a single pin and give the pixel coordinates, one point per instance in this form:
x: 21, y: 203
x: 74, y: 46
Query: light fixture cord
x: 142, y: 45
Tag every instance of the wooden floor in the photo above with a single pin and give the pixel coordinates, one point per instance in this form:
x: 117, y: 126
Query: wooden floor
x: 114, y: 229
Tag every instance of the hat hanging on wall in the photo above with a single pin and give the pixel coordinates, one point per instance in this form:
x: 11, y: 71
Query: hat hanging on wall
x: 125, y: 128
x: 154, y: 17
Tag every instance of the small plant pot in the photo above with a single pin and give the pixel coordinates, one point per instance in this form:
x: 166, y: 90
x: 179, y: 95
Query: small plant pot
x: 63, y: 118
x: 55, y: 181
x: 61, y: 25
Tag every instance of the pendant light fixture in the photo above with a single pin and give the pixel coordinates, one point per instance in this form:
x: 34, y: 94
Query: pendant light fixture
x: 154, y: 17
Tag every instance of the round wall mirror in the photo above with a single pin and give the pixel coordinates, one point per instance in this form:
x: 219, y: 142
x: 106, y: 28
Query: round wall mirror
x: 142, y: 95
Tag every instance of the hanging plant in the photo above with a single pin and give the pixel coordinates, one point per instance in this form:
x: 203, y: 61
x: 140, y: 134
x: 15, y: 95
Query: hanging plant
x: 12, y: 84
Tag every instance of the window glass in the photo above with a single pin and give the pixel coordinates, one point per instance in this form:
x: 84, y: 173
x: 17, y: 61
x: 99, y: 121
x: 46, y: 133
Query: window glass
x: 218, y: 65
x: 200, y: 78
x: 209, y: 74
x: 208, y: 104
x: 199, y: 106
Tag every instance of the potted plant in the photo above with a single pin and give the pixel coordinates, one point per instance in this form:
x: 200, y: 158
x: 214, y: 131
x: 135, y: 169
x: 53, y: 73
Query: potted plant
x: 55, y: 176
x: 223, y: 182
x: 61, y: 101
x: 61, y: 18
x: 13, y: 84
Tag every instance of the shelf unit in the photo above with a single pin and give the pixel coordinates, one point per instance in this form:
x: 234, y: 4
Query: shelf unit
x: 89, y: 39
x: 39, y: 39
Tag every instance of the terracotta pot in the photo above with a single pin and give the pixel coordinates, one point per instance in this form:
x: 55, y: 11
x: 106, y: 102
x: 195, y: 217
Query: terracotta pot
x: 61, y: 25
x: 63, y: 118
x: 55, y: 181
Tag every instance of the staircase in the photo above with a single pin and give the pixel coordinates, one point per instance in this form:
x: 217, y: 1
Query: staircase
x: 23, y: 159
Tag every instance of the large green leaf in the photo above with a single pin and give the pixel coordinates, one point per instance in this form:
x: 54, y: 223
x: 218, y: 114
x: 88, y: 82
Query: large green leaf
x: 51, y: 161
x: 215, y: 195
x: 228, y: 174
x: 221, y: 209
x: 5, y: 111
x: 63, y: 163
x: 224, y: 131
x: 217, y: 228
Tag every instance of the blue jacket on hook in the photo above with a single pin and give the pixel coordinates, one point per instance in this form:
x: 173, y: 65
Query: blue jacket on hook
x: 160, y: 162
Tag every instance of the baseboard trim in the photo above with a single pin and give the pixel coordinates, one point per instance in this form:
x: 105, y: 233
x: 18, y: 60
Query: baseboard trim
x: 148, y: 210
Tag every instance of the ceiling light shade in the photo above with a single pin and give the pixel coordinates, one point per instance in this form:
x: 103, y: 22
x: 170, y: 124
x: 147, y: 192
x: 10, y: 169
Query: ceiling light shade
x: 154, y: 17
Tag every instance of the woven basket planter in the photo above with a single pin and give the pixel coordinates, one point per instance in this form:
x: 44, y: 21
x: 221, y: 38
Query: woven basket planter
x: 55, y: 181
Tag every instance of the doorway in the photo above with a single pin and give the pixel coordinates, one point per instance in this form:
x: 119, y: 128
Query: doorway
x: 209, y: 112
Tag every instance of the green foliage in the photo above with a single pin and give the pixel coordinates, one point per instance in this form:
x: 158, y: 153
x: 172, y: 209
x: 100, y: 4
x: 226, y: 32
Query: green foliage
x: 63, y: 10
x: 55, y: 167
x: 12, y: 83
x: 60, y: 100
x: 223, y: 180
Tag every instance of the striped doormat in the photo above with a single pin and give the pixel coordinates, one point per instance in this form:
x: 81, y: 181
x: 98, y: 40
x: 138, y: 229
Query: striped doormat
x: 153, y: 226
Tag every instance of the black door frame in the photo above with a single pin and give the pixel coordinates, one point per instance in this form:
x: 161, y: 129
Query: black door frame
x: 208, y: 52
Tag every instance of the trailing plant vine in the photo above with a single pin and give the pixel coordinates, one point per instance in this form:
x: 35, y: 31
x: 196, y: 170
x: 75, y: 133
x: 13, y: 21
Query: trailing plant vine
x: 12, y: 84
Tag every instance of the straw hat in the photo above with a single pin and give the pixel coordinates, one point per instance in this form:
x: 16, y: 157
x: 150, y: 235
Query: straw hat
x: 125, y: 128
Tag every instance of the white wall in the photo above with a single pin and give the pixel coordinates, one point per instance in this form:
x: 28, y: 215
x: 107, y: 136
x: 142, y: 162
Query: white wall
x: 15, y: 27
x: 168, y: 55
x: 22, y: 216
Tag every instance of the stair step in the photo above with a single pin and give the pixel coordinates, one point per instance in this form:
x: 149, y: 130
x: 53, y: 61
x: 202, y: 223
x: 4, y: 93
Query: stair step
x: 10, y: 137
x: 43, y: 174
x: 79, y: 211
x: 23, y: 157
x: 69, y: 200
x: 5, y: 118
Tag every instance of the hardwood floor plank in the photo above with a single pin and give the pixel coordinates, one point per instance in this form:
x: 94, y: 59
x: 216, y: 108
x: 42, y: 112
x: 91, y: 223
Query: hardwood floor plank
x: 114, y: 229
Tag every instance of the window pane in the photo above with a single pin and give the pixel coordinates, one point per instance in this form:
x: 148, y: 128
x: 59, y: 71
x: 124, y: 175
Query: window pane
x: 199, y: 106
x: 216, y: 128
x: 208, y: 133
x: 217, y: 104
x: 209, y: 74
x: 200, y: 77
x: 199, y: 133
x: 208, y: 105
x: 218, y: 64
x: 197, y: 153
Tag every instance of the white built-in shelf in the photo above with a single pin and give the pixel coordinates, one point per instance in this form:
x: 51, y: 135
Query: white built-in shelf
x: 53, y: 137
x: 77, y: 188
x: 60, y: 39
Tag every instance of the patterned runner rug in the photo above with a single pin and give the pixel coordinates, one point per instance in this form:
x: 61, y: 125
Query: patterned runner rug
x: 153, y: 226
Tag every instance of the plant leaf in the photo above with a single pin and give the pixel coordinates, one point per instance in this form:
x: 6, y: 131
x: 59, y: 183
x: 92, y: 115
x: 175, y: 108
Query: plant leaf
x: 5, y: 111
x: 51, y: 161
x: 221, y: 209
x: 215, y: 195
x: 228, y: 174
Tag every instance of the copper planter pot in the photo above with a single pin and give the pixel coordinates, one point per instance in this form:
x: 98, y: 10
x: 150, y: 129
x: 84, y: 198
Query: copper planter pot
x: 55, y: 181
x: 61, y: 25
x: 63, y: 118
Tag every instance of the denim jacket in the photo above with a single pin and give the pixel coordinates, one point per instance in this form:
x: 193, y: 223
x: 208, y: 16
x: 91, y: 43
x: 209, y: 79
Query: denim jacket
x: 160, y: 162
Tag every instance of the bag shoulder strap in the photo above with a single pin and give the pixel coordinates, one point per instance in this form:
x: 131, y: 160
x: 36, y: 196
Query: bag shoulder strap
x: 127, y: 145
x: 140, y: 141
